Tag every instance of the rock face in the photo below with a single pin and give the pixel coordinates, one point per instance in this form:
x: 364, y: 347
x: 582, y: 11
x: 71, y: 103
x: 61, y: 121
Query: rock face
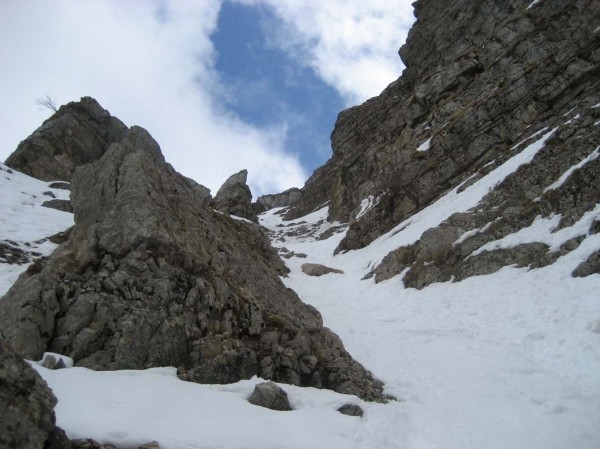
x: 150, y: 276
x: 27, y: 418
x: 234, y: 197
x: 79, y: 133
x: 484, y: 80
x: 316, y: 269
x: 283, y: 199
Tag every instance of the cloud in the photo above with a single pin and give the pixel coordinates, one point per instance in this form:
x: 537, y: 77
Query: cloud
x: 149, y: 63
x: 352, y: 45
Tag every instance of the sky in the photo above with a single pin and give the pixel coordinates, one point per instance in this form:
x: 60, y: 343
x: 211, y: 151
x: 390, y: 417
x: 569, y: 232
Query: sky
x: 222, y: 85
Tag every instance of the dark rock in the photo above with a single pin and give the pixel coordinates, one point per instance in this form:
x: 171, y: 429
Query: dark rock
x: 150, y: 276
x: 78, y: 133
x: 270, y: 395
x: 351, y: 410
x: 88, y: 443
x: 590, y: 266
x: 60, y: 185
x: 316, y: 269
x: 26, y: 405
x: 50, y: 194
x: 234, y: 197
x: 62, y: 205
x: 150, y: 445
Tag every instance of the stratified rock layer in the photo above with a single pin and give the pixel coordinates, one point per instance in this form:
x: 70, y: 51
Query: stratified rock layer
x: 79, y: 133
x: 150, y: 276
x: 483, y: 80
x: 284, y: 199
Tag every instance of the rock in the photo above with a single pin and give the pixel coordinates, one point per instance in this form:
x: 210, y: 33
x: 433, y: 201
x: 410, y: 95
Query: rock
x: 26, y: 405
x: 478, y: 88
x: 62, y: 205
x: 150, y: 445
x: 283, y: 199
x: 316, y: 269
x: 60, y: 185
x: 351, y: 410
x: 270, y: 395
x: 88, y: 443
x: 234, y: 197
x: 151, y: 276
x: 78, y: 133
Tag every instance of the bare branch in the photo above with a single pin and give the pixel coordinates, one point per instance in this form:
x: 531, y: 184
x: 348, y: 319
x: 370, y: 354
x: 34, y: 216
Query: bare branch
x: 46, y: 102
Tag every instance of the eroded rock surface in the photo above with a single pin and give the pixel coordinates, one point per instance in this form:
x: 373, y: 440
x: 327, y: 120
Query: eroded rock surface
x: 151, y: 276
x: 284, y: 199
x: 27, y: 418
x: 483, y: 81
x: 234, y: 197
x: 78, y: 133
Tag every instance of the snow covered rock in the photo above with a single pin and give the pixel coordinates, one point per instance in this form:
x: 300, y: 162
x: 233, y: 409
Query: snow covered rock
x: 234, y: 197
x: 270, y: 395
x: 78, y: 133
x: 151, y: 276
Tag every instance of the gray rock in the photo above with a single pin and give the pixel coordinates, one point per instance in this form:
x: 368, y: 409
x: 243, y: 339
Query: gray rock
x: 283, y: 199
x: 78, y: 133
x: 151, y: 276
x: 27, y: 418
x: 234, y: 197
x: 60, y: 185
x: 270, y: 395
x: 481, y: 79
x: 351, y: 410
x: 62, y: 205
x: 316, y: 269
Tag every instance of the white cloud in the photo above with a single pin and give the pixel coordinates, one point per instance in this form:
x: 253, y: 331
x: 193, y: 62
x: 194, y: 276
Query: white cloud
x: 149, y: 63
x: 351, y: 44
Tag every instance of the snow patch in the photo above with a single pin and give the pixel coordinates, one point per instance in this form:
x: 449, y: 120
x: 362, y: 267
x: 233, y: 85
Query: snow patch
x: 425, y: 145
x: 560, y: 181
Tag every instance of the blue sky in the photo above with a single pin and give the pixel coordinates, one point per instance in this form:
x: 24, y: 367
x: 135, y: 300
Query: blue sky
x: 266, y: 84
x: 222, y: 85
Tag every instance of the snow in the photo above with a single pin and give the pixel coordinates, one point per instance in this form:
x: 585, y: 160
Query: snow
x: 425, y: 145
x: 533, y: 3
x: 366, y: 205
x: 129, y: 408
x: 24, y: 221
x: 560, y: 181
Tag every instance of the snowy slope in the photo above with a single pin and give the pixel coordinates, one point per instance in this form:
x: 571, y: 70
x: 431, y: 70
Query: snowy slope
x: 508, y: 360
x: 24, y: 222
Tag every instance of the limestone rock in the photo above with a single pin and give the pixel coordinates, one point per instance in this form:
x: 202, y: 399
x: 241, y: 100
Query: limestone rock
x: 270, y: 395
x: 78, y: 133
x: 151, y: 276
x: 284, y: 199
x: 351, y: 410
x: 316, y: 269
x: 234, y: 197
x: 27, y: 418
x: 483, y: 81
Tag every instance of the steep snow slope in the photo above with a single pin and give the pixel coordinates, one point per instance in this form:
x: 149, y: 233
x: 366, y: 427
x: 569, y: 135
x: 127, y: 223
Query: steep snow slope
x: 24, y: 224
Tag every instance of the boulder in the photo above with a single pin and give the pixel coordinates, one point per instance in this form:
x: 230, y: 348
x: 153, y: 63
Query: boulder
x: 316, y: 269
x: 27, y: 417
x: 78, y: 133
x: 270, y: 395
x: 351, y: 410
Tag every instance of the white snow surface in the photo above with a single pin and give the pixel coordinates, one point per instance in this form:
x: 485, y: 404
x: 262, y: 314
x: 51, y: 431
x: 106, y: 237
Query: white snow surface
x: 425, y: 146
x: 24, y: 221
x: 507, y: 360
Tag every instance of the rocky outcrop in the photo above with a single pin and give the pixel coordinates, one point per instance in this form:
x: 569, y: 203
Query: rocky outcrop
x: 316, y: 269
x: 484, y: 79
x: 78, y: 133
x: 27, y: 419
x: 284, y: 199
x: 150, y: 276
x: 234, y: 197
